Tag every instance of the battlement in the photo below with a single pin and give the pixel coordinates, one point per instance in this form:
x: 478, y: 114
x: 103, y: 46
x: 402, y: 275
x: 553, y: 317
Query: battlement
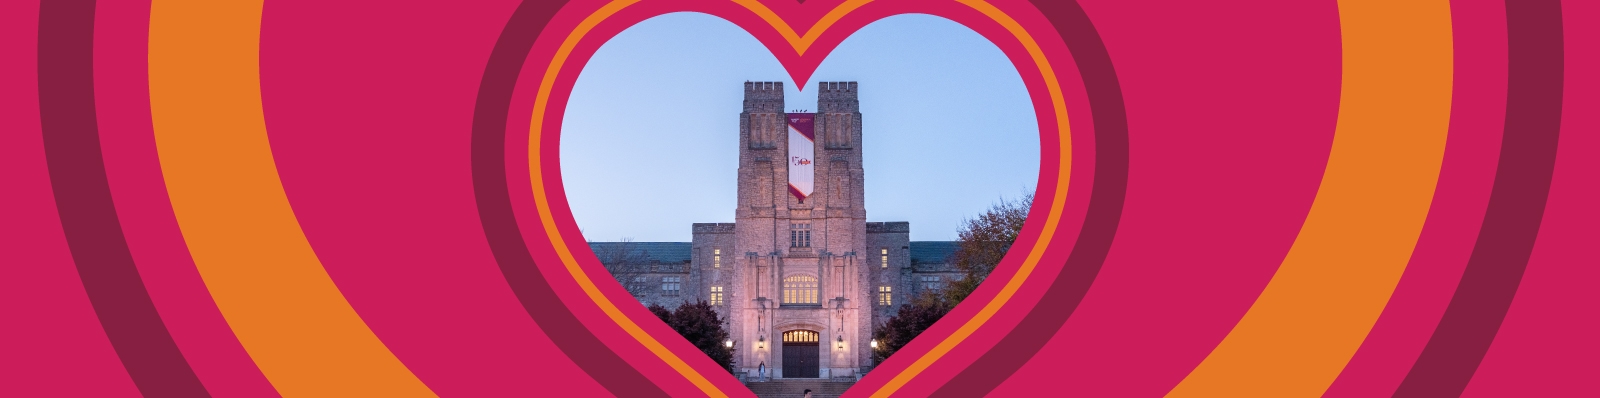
x: 888, y: 227
x: 837, y: 97
x: 836, y: 89
x: 712, y: 228
x: 763, y: 90
x: 765, y: 97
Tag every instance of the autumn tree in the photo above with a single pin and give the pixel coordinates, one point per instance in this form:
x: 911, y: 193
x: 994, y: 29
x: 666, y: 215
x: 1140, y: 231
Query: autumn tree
x: 983, y: 241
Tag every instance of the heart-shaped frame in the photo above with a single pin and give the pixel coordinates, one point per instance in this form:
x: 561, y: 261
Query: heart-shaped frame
x: 1026, y: 35
x: 176, y: 248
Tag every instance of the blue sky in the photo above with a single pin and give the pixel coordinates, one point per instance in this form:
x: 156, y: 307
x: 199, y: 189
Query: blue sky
x: 650, y: 136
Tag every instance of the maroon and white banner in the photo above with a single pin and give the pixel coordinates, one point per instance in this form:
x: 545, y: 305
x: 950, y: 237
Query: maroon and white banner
x: 802, y: 151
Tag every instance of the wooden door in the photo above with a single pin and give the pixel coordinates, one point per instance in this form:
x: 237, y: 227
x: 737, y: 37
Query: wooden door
x: 800, y: 354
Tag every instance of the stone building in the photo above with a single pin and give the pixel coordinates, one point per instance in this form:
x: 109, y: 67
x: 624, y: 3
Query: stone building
x: 800, y: 275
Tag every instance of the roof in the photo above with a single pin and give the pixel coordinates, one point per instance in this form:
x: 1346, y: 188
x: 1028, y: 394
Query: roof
x: 932, y: 251
x: 922, y: 252
x: 662, y: 252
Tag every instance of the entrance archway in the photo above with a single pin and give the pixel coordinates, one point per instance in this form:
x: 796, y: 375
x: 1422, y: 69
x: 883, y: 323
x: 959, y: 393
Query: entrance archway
x: 800, y: 356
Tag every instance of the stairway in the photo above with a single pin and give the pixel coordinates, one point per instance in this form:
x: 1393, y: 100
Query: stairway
x: 792, y: 388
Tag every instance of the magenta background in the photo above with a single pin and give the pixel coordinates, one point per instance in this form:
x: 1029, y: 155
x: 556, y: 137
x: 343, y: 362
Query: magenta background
x: 1229, y: 131
x: 1231, y: 110
x: 1547, y: 344
x: 54, y: 343
x: 122, y: 103
x: 1477, y: 120
x: 369, y: 107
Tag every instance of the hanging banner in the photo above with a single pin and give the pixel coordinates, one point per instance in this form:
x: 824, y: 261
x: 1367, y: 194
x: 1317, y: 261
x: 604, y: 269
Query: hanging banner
x: 802, y: 149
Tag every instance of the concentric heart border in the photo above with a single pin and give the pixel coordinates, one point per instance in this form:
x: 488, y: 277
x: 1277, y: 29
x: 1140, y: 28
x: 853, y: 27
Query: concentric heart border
x: 1252, y: 198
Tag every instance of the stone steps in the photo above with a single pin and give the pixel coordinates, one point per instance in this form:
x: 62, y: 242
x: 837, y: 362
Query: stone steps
x: 793, y: 388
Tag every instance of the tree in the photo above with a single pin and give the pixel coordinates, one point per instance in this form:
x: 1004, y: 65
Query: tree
x: 983, y: 241
x: 911, y: 320
x: 626, y: 263
x: 661, y: 312
x: 700, y: 324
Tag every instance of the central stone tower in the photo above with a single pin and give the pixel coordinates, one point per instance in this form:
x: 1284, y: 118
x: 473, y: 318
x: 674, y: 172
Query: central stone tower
x: 798, y: 304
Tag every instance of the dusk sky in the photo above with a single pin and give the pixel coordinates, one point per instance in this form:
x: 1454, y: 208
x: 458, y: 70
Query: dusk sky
x: 650, y: 138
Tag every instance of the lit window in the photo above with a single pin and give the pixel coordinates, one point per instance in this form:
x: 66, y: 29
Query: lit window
x: 670, y: 285
x: 800, y: 235
x: 886, y: 258
x: 716, y: 258
x: 799, y: 336
x: 800, y: 289
x: 716, y: 295
x: 932, y: 282
x: 885, y: 296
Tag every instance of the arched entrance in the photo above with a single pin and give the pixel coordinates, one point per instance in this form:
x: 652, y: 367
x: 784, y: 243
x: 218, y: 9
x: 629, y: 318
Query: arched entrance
x: 800, y: 354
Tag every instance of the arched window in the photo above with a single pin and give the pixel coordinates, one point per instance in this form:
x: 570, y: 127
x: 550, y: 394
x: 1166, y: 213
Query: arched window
x: 799, y: 336
x: 800, y: 289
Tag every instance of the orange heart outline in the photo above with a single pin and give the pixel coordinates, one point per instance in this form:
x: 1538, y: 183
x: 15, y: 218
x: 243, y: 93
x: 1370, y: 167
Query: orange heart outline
x: 1014, y: 271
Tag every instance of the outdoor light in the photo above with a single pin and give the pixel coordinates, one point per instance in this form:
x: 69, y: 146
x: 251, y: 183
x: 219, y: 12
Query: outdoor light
x: 874, y: 344
x: 727, y: 343
x: 841, y: 341
x: 761, y: 342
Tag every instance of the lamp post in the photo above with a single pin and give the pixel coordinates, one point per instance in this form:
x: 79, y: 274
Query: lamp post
x: 874, y: 344
x: 728, y: 344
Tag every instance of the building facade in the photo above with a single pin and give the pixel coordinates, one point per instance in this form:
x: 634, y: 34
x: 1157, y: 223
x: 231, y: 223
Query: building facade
x: 800, y: 276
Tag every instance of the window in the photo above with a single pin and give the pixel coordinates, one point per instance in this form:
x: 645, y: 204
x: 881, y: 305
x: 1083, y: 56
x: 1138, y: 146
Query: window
x: 799, y: 336
x: 800, y: 289
x: 886, y: 258
x: 716, y: 295
x: 670, y: 285
x: 885, y: 296
x: 716, y: 258
x: 932, y: 282
x: 638, y: 285
x: 800, y: 235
